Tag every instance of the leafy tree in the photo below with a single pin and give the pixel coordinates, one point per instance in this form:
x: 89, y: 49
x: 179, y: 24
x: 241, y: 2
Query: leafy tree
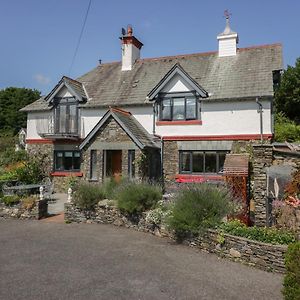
x: 286, y: 129
x: 11, y: 100
x: 287, y: 96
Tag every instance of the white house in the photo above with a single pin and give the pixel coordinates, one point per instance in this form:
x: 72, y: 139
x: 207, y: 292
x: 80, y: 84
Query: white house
x: 175, y: 116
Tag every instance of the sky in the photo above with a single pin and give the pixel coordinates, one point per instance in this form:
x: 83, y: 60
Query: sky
x: 38, y: 37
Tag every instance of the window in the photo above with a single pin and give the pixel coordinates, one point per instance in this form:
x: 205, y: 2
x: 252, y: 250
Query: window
x: 93, y: 165
x: 67, y: 160
x: 201, y: 161
x: 131, y: 166
x: 66, y: 114
x: 178, y: 109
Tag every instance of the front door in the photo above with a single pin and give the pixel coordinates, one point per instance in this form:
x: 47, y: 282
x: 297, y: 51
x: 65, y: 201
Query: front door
x: 114, y: 164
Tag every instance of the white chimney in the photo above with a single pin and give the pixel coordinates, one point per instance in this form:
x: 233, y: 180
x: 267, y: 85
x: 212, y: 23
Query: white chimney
x: 131, y: 48
x: 228, y: 40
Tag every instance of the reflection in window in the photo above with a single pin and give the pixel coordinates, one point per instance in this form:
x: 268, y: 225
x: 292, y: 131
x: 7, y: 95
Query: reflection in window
x: 201, y: 161
x: 67, y: 160
x: 66, y: 113
x: 177, y: 109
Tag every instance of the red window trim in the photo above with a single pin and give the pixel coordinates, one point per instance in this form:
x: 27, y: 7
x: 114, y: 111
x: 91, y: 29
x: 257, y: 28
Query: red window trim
x: 188, y: 122
x: 197, y: 178
x: 244, y: 137
x: 65, y: 174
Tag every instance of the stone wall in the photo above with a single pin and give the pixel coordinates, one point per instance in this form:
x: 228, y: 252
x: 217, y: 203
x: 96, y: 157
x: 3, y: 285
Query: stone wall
x: 43, y: 151
x: 264, y: 256
x: 18, y: 211
x: 262, y: 159
x: 280, y: 158
x: 110, y: 137
x: 261, y: 255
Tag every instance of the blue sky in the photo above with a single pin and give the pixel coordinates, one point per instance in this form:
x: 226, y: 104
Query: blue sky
x: 38, y: 38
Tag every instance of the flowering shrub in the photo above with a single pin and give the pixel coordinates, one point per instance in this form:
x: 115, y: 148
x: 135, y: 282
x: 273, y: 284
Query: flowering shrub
x: 293, y: 201
x: 159, y: 214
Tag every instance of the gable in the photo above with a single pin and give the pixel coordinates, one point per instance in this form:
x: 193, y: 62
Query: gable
x: 133, y: 129
x: 177, y: 80
x: 111, y: 136
x: 63, y: 92
x: 177, y: 84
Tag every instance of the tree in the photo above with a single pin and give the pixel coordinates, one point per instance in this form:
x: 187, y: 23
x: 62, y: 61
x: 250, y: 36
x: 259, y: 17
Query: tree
x: 287, y: 96
x: 12, y: 99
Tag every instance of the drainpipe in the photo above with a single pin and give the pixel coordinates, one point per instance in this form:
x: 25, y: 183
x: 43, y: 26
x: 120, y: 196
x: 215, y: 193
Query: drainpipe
x: 260, y: 111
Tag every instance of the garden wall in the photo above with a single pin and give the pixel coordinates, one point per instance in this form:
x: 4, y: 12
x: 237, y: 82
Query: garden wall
x: 264, y: 256
x: 18, y: 211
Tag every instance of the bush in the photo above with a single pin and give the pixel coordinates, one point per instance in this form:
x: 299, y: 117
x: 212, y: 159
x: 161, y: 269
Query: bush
x: 261, y: 234
x: 87, y: 195
x: 133, y: 197
x: 10, y: 156
x: 10, y: 200
x: 198, y: 207
x: 29, y: 202
x: 286, y: 129
x: 30, y: 172
x: 291, y: 284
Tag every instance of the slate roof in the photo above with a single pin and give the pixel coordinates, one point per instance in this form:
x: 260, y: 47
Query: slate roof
x: 129, y: 124
x: 246, y: 75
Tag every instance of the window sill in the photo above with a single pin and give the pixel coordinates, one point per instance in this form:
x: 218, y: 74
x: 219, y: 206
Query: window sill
x: 189, y: 122
x: 65, y: 173
x: 198, y: 178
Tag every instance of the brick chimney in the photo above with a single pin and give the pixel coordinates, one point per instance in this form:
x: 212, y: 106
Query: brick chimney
x: 228, y: 40
x: 131, y: 48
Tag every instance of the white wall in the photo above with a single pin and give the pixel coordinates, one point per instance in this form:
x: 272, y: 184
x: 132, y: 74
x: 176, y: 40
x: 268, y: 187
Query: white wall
x: 37, y: 121
x: 176, y: 84
x: 89, y: 118
x: 64, y: 93
x: 224, y: 118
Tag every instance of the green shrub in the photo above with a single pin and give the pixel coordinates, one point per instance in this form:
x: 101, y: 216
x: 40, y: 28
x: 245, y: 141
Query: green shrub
x: 30, y: 172
x: 110, y: 186
x: 133, y: 197
x: 261, y: 234
x: 197, y: 207
x: 87, y: 195
x: 10, y: 156
x: 10, y: 200
x: 291, y: 284
x: 286, y: 129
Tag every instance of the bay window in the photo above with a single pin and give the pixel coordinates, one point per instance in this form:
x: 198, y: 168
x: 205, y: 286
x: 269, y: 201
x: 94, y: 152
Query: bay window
x: 66, y: 115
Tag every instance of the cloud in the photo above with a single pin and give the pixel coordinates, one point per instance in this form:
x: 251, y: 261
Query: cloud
x: 42, y: 79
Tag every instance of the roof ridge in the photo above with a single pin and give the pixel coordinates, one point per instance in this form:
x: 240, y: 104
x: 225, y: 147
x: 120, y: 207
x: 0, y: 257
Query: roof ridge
x: 198, y: 53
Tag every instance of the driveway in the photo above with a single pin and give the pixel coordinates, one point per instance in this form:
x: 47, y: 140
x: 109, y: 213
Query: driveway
x: 46, y: 260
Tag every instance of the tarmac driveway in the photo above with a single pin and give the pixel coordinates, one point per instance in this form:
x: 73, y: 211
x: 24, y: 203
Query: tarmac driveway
x: 46, y: 260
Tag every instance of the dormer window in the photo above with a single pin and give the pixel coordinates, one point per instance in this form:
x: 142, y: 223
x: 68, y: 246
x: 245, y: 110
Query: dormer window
x: 66, y: 115
x: 178, y: 108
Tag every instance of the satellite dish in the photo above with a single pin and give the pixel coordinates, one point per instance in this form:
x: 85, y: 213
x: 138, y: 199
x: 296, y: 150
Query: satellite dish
x: 123, y: 31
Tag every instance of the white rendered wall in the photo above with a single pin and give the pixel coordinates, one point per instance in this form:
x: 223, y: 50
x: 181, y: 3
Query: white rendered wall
x: 224, y: 118
x: 89, y: 118
x: 36, y: 120
x: 64, y: 93
x: 176, y: 84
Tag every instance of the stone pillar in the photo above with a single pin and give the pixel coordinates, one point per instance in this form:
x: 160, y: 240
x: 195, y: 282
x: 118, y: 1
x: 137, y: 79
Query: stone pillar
x: 262, y: 158
x: 170, y: 165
